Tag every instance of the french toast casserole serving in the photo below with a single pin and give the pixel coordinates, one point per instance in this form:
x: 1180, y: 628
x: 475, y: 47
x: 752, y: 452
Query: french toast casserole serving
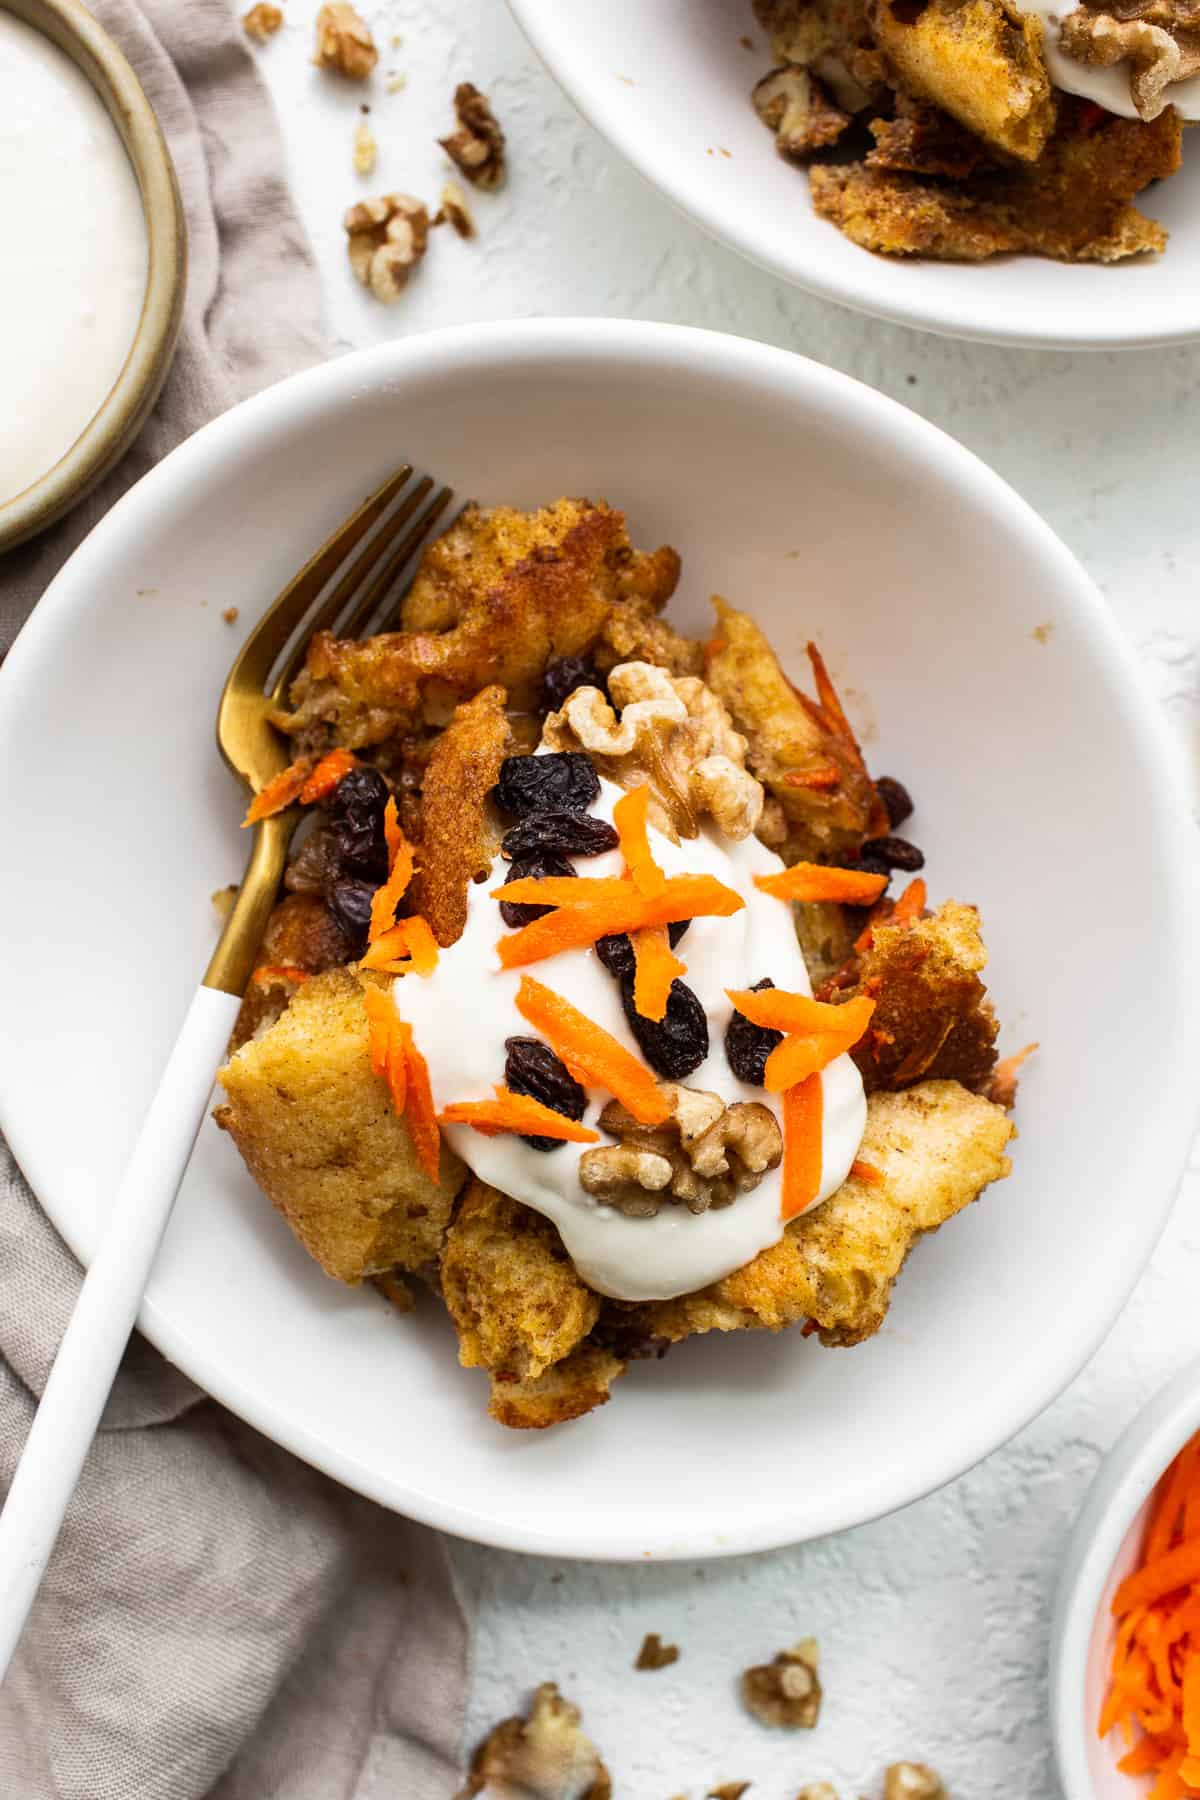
x: 603, y: 999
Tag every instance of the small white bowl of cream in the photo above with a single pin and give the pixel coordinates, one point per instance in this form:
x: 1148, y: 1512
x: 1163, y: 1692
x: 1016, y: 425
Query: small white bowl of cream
x: 92, y: 263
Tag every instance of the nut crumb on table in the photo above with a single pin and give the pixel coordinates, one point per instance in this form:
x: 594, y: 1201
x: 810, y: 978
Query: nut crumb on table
x: 262, y: 21
x: 546, y: 1756
x: 477, y: 147
x: 786, y: 1691
x: 366, y: 148
x: 654, y: 1654
x: 230, y: 615
x: 818, y: 1790
x: 455, y: 211
x: 387, y: 236
x: 343, y: 42
x: 913, y: 1781
x: 728, y: 1790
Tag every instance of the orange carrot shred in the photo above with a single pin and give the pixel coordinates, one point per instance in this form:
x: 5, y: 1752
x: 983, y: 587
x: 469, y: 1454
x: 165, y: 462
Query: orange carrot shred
x: 1172, y: 1493
x: 397, y: 1064
x: 816, y: 881
x: 629, y: 817
x: 268, y: 972
x: 381, y: 1015
x: 825, y: 775
x: 1178, y: 1568
x: 865, y: 1171
x: 656, y: 966
x: 592, y: 1054
x: 803, y: 1111
x: 575, y: 927
x: 393, y: 837
x: 569, y: 890
x: 326, y: 775
x: 516, y: 1112
x: 409, y: 939
x: 911, y: 903
x: 779, y: 1010
x: 279, y: 792
x: 422, y: 1116
x: 827, y: 694
x: 388, y: 897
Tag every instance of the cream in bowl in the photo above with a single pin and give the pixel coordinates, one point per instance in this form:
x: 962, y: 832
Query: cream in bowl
x: 74, y: 258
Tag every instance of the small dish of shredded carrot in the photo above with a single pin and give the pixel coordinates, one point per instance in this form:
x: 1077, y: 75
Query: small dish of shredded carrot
x: 1153, y: 1696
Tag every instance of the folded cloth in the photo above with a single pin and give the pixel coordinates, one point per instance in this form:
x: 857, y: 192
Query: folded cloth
x: 218, y: 1619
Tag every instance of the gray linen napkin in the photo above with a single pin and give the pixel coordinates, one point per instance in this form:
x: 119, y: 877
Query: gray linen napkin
x: 218, y: 1620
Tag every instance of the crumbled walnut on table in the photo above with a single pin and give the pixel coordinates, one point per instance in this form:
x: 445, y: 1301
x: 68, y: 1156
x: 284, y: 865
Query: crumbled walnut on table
x: 387, y: 239
x: 344, y: 42
x: 477, y: 147
x: 913, y: 1781
x: 544, y: 1757
x: 262, y: 21
x: 729, y: 1790
x: 454, y: 211
x: 230, y: 615
x: 706, y: 1153
x: 795, y: 106
x: 1156, y: 56
x: 786, y: 1690
x: 366, y: 149
x: 654, y: 1654
x: 818, y: 1790
x: 674, y: 735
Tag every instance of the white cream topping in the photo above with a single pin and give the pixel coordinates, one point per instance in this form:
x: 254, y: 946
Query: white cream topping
x: 462, y: 1014
x: 1109, y: 88
x: 73, y: 254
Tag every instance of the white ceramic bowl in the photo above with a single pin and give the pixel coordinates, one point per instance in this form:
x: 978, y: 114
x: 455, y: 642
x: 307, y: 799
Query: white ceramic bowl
x: 983, y: 668
x: 1104, y: 1548
x: 668, y: 84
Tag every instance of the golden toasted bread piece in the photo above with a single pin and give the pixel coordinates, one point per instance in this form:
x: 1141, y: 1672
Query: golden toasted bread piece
x: 1073, y: 204
x: 791, y: 740
x: 935, y: 1148
x: 517, y: 1304
x: 933, y: 1019
x: 318, y: 1132
x: 979, y: 60
x: 303, y: 936
x: 457, y: 841
x: 575, y: 1386
x: 497, y: 597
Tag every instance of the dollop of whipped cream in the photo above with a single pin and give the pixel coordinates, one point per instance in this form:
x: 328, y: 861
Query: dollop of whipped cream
x: 462, y: 1014
x: 1108, y: 87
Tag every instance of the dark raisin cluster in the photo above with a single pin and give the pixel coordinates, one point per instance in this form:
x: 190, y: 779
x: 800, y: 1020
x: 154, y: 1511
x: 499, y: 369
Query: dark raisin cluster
x: 564, y: 780
x: 357, y: 862
x: 532, y: 868
x: 564, y: 675
x: 883, y: 854
x: 678, y: 1042
x: 532, y: 1068
x: 747, y: 1046
x: 896, y: 799
x: 550, y: 796
x: 560, y: 833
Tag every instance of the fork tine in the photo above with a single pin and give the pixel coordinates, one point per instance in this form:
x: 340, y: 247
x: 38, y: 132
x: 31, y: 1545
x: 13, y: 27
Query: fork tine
x: 403, y: 553
x: 268, y: 640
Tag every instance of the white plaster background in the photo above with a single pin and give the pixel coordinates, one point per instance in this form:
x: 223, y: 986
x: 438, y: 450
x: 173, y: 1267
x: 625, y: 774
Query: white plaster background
x: 933, y: 1624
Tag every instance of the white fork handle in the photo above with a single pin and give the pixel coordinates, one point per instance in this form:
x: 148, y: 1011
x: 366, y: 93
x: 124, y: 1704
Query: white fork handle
x: 104, y: 1315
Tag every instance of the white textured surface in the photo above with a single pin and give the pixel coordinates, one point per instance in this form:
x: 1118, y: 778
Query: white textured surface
x: 933, y: 1624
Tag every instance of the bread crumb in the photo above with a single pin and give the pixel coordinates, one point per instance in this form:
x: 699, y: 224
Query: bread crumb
x: 654, y: 1654
x: 366, y: 149
x: 262, y: 21
x: 230, y: 615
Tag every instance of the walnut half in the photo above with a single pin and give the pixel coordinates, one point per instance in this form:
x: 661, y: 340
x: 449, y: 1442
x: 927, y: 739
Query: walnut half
x: 798, y: 110
x: 786, y: 1691
x: 262, y: 21
x: 387, y: 239
x: 544, y: 1757
x: 913, y: 1781
x: 705, y: 1155
x: 477, y: 147
x: 344, y: 42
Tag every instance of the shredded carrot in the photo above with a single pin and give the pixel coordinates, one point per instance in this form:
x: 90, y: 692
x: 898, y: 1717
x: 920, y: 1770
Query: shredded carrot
x: 392, y: 834
x: 656, y: 966
x: 827, y: 694
x: 407, y: 945
x: 279, y: 792
x: 803, y: 1110
x: 714, y: 647
x: 326, y: 775
x: 826, y: 775
x: 395, y: 1055
x: 574, y: 927
x: 815, y: 1031
x: 569, y: 890
x: 815, y: 881
x: 1155, y: 1671
x: 422, y: 1118
x: 592, y: 1054
x: 629, y: 817
x: 388, y: 897
x: 911, y: 903
x: 516, y: 1112
x: 865, y: 1171
x: 381, y: 1015
x: 268, y: 972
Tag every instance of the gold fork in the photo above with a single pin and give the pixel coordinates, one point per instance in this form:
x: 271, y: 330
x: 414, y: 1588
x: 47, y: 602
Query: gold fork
x: 334, y: 588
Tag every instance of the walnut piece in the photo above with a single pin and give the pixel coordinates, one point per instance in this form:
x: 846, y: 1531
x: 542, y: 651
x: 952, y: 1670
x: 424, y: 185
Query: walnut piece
x: 798, y: 110
x: 1155, y: 56
x: 913, y: 1781
x: 344, y: 42
x: 674, y: 735
x: 705, y: 1155
x: 477, y: 147
x: 786, y: 1691
x: 262, y: 21
x: 455, y: 211
x: 366, y: 149
x: 818, y: 1790
x: 729, y: 1790
x: 388, y: 237
x: 544, y: 1757
x: 654, y: 1654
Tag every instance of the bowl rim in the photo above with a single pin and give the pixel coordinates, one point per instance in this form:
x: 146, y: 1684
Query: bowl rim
x: 539, y: 344
x: 1119, y: 1490
x: 874, y: 297
x: 123, y: 411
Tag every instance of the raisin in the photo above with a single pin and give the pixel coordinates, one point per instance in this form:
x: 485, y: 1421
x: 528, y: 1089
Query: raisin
x: 563, y: 676
x: 886, y: 853
x: 676, y: 929
x: 531, y: 784
x: 565, y: 833
x: 896, y: 799
x: 747, y: 1046
x: 355, y: 822
x: 349, y: 900
x: 532, y: 1068
x: 616, y: 953
x: 678, y: 1042
x: 518, y: 912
